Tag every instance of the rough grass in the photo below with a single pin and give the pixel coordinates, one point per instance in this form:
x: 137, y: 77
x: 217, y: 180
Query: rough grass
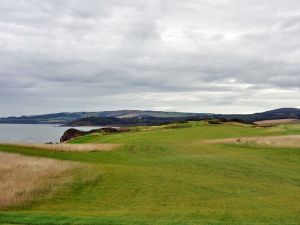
x: 279, y: 121
x: 284, y: 141
x: 24, y: 178
x: 165, y: 176
x: 64, y: 147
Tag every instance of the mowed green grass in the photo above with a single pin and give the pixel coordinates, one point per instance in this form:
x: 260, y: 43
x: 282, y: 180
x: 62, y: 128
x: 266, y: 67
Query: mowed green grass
x: 166, y: 176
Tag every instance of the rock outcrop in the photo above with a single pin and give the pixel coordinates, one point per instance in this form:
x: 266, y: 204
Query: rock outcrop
x: 74, y: 133
x: 71, y: 133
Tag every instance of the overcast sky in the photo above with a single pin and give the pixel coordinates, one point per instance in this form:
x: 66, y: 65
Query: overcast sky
x: 222, y: 56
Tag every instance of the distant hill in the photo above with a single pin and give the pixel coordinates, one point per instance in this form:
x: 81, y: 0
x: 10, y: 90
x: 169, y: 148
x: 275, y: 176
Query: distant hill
x: 66, y: 117
x: 140, y: 117
x: 282, y: 113
x: 129, y: 121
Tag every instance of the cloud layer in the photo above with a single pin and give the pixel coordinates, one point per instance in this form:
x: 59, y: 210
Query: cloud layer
x: 222, y: 56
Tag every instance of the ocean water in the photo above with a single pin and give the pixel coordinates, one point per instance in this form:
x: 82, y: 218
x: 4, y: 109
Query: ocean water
x: 34, y: 133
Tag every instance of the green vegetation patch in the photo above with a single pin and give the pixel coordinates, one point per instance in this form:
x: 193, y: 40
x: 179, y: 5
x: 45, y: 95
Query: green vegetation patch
x: 170, y: 176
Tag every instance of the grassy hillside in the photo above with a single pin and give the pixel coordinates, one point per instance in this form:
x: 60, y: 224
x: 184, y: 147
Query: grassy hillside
x: 66, y: 117
x: 168, y: 175
x: 140, y: 117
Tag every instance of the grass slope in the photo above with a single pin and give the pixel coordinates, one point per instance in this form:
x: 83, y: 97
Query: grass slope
x: 169, y: 176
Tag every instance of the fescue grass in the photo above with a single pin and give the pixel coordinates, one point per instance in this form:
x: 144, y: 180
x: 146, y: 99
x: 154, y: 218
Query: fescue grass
x: 24, y: 179
x: 281, y: 141
x: 278, y: 121
x: 65, y: 147
x: 167, y: 176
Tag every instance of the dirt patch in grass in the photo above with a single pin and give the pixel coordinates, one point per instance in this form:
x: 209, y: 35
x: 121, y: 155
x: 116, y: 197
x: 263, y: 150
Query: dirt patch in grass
x: 64, y: 147
x: 290, y: 141
x: 25, y: 178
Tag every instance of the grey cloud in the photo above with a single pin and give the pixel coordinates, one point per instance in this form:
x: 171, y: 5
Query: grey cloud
x: 179, y: 55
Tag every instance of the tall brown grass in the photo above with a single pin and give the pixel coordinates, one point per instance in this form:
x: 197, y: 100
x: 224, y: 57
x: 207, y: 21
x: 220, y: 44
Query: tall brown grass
x: 289, y: 141
x: 64, y: 147
x: 24, y: 178
x: 278, y: 121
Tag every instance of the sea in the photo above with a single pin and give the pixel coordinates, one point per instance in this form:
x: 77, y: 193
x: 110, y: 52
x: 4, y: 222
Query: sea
x: 34, y: 133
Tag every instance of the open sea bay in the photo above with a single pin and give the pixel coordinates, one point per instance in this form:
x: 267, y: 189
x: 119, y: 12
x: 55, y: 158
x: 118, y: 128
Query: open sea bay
x: 33, y: 133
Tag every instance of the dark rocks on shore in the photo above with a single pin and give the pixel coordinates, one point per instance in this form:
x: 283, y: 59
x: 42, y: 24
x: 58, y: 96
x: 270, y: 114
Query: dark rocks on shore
x: 74, y: 133
x: 71, y: 133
